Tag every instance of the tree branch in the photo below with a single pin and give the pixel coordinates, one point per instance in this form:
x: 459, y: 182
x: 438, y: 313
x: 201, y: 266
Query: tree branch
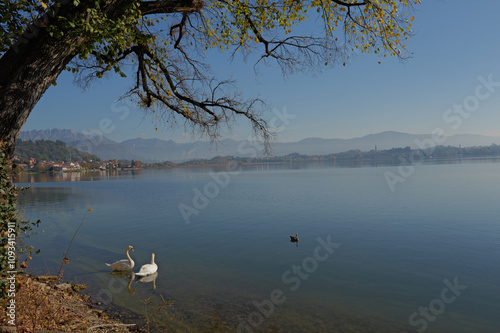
x: 170, y: 6
x: 204, y: 103
x: 179, y: 26
x: 347, y: 4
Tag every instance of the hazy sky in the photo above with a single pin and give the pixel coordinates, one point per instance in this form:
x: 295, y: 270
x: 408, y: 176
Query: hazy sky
x: 455, y: 44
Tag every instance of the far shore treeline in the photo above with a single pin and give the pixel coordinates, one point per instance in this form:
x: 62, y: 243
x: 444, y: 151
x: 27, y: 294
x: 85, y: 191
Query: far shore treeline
x: 50, y: 151
x: 29, y: 152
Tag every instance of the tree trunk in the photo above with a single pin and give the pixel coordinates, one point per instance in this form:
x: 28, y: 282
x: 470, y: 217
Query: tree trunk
x: 31, y: 66
x: 27, y: 71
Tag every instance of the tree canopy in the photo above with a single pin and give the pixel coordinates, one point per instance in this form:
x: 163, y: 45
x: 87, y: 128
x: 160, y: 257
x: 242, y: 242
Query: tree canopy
x: 162, y: 44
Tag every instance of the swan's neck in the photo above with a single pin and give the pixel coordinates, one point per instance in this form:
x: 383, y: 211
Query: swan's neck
x: 152, y: 260
x: 128, y: 256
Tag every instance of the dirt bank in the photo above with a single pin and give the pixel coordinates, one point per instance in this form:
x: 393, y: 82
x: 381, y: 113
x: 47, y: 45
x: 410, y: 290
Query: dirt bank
x: 43, y: 304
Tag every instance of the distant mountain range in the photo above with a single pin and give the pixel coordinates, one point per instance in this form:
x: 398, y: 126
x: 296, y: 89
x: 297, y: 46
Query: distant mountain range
x: 156, y: 150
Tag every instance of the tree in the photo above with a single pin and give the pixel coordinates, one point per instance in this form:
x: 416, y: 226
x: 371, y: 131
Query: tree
x: 12, y: 229
x: 161, y: 43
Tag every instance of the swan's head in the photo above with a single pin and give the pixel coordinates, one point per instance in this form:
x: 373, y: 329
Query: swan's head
x: 130, y: 247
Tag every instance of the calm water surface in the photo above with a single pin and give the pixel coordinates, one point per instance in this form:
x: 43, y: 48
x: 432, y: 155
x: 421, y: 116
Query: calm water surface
x: 422, y: 258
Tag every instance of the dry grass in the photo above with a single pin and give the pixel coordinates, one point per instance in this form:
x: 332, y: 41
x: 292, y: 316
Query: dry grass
x: 42, y: 306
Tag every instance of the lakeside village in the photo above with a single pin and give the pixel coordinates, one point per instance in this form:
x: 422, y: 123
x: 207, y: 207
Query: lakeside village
x: 54, y: 157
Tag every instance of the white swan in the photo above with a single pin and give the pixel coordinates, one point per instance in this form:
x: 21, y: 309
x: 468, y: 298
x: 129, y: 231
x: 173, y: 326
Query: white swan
x: 148, y: 269
x: 124, y: 264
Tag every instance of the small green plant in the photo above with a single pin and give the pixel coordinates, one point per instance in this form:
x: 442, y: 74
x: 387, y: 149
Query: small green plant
x: 12, y: 227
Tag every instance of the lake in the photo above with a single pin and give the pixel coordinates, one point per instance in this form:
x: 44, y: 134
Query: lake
x: 420, y: 256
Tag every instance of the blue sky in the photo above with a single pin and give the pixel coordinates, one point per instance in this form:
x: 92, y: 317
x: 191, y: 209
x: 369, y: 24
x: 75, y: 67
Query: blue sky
x: 454, y: 44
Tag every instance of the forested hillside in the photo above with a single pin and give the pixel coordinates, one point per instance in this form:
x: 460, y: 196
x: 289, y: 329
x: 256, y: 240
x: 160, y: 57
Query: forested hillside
x: 50, y: 151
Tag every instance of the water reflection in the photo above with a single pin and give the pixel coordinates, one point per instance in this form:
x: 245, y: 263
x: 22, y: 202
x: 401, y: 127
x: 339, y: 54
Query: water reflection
x: 149, y: 278
x: 42, y: 195
x: 29, y: 178
x: 122, y: 275
x: 53, y: 199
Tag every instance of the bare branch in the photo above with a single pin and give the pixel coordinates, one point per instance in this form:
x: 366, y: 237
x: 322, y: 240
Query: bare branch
x: 348, y: 4
x: 170, y: 6
x: 201, y: 102
x: 180, y: 27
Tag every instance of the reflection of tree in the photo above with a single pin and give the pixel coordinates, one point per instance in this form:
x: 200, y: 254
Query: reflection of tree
x: 42, y: 177
x: 42, y: 195
x: 50, y: 199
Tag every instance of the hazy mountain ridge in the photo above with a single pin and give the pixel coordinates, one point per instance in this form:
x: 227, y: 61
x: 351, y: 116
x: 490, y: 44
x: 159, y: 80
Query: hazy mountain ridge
x: 55, y: 134
x: 156, y: 150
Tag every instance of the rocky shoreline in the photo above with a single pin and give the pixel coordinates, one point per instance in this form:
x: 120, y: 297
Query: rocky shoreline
x: 45, y: 305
